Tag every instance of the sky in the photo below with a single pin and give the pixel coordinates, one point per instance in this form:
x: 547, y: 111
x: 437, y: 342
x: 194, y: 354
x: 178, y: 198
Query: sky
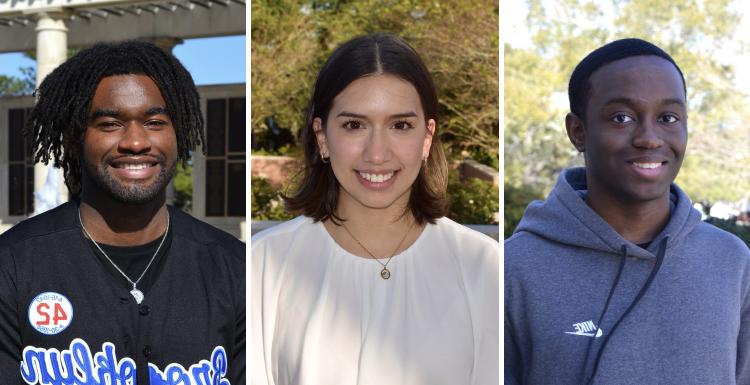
x: 214, y: 60
x: 515, y: 32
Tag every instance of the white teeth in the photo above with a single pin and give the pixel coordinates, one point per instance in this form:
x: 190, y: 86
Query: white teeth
x: 376, y: 178
x: 139, y: 166
x: 647, y: 165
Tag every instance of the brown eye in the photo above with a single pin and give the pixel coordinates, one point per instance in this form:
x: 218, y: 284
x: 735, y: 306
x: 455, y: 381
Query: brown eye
x: 622, y: 118
x: 668, y: 118
x: 402, y: 125
x: 353, y: 125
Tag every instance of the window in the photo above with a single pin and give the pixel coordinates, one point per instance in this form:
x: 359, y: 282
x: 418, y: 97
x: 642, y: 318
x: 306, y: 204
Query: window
x: 225, y: 157
x: 20, y: 165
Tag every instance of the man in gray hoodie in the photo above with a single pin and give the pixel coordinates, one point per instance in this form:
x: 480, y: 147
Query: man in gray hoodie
x: 614, y: 279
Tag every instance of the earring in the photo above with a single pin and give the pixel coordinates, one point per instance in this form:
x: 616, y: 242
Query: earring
x: 325, y: 159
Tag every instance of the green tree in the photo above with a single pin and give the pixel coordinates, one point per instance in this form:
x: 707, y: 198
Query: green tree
x: 696, y: 33
x: 457, y: 39
x: 11, y: 85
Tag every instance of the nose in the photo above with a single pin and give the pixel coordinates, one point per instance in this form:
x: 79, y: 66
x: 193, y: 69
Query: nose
x: 377, y: 148
x: 647, y: 136
x: 134, y: 140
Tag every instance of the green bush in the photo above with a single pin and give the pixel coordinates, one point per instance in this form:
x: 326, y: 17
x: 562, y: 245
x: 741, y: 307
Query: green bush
x: 472, y: 200
x: 183, y: 187
x: 516, y: 200
x: 266, y: 203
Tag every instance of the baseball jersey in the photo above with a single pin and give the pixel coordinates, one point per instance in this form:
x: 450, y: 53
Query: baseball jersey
x: 64, y: 318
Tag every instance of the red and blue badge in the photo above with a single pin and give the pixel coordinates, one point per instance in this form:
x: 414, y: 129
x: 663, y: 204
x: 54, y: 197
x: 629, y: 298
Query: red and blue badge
x: 50, y: 313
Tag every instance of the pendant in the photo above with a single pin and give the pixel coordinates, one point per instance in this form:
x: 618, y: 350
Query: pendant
x: 385, y: 274
x: 137, y: 294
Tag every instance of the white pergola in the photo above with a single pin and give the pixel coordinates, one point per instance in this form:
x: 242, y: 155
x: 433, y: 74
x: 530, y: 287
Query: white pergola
x: 49, y: 27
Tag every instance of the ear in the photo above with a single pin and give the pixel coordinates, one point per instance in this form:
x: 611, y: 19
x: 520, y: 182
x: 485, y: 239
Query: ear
x: 576, y: 131
x: 428, y: 139
x: 320, y: 137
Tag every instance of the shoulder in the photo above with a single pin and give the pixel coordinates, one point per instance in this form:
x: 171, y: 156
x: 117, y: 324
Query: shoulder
x: 715, y: 242
x: 284, y: 231
x: 61, y: 218
x: 467, y: 244
x: 189, y: 229
x: 522, y: 242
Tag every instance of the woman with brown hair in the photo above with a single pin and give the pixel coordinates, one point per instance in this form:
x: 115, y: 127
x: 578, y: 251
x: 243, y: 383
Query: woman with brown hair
x: 372, y: 284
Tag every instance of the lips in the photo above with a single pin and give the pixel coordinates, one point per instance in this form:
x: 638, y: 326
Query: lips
x: 648, y: 168
x: 647, y: 165
x: 376, y: 179
x: 141, y: 167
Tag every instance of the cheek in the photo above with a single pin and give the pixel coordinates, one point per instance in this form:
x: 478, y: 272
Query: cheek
x: 167, y: 142
x: 342, y: 148
x: 411, y: 152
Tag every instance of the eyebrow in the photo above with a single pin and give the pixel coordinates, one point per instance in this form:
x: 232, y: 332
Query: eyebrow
x: 663, y: 102
x: 100, y: 112
x: 410, y: 114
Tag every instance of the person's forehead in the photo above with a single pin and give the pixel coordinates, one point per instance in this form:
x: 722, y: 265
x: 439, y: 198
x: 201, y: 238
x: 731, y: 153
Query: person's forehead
x: 124, y: 87
x: 628, y: 74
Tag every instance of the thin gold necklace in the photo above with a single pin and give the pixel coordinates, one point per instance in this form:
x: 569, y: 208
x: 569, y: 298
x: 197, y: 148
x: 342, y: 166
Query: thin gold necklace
x: 384, y: 273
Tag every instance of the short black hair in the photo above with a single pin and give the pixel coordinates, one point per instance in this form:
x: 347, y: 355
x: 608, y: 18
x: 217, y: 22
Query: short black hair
x: 374, y: 54
x: 579, y: 85
x: 58, y: 121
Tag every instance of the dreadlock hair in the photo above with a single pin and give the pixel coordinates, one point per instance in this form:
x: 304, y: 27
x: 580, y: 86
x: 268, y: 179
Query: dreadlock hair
x: 579, y: 85
x: 58, y: 121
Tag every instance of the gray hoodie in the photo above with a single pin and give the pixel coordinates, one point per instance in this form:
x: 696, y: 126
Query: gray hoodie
x: 580, y: 299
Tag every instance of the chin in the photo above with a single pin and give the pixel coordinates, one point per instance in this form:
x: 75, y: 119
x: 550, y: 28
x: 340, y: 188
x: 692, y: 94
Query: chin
x: 649, y: 195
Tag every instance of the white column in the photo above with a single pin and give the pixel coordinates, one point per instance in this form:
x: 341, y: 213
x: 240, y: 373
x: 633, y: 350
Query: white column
x: 51, y: 51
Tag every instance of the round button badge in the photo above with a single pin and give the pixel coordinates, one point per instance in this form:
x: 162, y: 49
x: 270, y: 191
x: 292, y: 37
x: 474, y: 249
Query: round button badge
x: 50, y: 313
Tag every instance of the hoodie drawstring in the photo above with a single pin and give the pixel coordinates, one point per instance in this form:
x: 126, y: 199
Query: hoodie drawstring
x: 641, y: 293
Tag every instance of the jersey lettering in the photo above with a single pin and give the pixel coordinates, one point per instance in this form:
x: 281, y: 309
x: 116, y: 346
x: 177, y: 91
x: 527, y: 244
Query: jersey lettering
x: 202, y: 373
x: 77, y: 366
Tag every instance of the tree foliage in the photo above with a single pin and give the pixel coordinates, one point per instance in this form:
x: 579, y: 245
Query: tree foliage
x: 11, y: 85
x: 698, y: 34
x: 457, y: 39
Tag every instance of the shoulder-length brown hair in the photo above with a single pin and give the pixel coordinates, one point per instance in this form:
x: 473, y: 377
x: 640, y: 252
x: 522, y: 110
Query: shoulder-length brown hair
x: 318, y: 190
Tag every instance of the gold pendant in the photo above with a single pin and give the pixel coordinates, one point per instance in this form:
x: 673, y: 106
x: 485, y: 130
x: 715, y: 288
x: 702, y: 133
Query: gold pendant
x: 385, y: 274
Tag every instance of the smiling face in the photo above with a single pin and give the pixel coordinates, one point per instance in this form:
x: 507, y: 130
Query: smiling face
x: 376, y: 138
x: 129, y: 147
x: 635, y: 130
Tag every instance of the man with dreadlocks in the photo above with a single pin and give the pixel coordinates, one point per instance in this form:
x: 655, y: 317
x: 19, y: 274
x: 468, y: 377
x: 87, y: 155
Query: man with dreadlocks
x: 115, y: 287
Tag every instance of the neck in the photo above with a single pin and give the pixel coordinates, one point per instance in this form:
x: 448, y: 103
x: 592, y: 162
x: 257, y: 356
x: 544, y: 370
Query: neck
x: 374, y: 220
x: 638, y: 222
x: 121, y: 224
x: 379, y: 229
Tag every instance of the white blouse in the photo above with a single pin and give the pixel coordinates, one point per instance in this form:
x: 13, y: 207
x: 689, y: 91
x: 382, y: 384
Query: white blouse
x: 321, y: 315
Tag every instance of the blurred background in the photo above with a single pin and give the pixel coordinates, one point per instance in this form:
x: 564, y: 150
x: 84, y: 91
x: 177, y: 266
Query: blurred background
x: 457, y: 39
x: 709, y: 39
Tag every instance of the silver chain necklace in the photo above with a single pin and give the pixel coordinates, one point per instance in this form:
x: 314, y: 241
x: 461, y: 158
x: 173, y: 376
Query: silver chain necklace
x: 137, y: 294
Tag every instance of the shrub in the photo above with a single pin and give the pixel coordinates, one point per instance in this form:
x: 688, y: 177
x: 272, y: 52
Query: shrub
x: 472, y: 200
x: 266, y: 203
x: 516, y: 200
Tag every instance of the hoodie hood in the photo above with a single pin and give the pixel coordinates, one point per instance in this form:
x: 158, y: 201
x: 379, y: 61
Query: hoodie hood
x: 564, y: 217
